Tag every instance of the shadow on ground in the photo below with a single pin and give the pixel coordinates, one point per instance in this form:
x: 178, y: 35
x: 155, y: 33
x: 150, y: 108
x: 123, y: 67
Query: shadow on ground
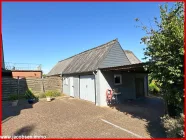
x: 26, y: 130
x: 9, y: 111
x: 149, y: 109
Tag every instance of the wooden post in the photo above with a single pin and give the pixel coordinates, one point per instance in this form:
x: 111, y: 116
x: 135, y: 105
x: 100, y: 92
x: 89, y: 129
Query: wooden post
x: 18, y: 86
x: 43, y: 85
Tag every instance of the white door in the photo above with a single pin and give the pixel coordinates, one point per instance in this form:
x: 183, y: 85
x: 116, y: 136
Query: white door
x: 82, y: 87
x: 71, y: 87
x: 87, y: 88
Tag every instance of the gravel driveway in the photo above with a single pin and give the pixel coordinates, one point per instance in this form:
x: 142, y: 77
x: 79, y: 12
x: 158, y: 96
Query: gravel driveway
x: 69, y: 117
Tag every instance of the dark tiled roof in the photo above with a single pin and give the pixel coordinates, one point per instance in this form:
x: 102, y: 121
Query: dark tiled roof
x: 59, y: 67
x: 132, y: 58
x: 83, y: 62
x: 88, y: 61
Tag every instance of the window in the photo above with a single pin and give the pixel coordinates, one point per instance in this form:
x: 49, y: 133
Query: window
x: 66, y: 81
x: 117, y: 79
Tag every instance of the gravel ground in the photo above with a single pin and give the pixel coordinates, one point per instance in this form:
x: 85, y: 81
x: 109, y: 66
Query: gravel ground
x: 69, y: 117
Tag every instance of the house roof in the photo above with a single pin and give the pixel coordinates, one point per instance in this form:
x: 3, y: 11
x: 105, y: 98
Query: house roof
x: 88, y: 61
x: 132, y: 58
x: 82, y: 62
x: 59, y: 67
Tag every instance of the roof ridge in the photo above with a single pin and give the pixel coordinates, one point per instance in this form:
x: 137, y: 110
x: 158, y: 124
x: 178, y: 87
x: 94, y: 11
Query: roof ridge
x: 100, y: 46
x: 129, y: 51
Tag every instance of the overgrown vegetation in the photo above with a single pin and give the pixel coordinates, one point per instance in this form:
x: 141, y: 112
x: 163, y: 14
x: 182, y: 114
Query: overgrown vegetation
x: 29, y: 94
x: 44, y: 75
x: 52, y: 93
x: 56, y: 93
x: 165, y: 52
x: 41, y: 95
x: 48, y: 94
x: 174, y: 126
x: 16, y: 96
x: 13, y: 97
x: 153, y: 88
x: 165, y: 49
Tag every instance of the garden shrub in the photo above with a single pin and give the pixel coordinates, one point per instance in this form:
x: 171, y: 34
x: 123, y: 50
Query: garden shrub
x: 41, y: 95
x: 52, y: 93
x: 48, y: 93
x: 165, y: 54
x: 29, y: 94
x: 22, y: 96
x: 154, y: 89
x: 16, y: 96
x: 13, y: 97
x: 174, y: 126
x: 56, y: 93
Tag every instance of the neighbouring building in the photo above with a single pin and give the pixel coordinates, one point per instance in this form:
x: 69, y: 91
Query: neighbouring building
x: 27, y: 73
x: 5, y: 73
x: 89, y: 74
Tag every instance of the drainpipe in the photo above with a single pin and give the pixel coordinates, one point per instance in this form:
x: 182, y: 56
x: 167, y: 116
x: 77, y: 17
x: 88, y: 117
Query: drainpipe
x: 61, y: 82
x: 95, y: 84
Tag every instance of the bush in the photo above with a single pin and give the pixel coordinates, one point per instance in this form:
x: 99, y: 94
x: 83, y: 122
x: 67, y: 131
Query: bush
x: 13, y: 97
x: 174, y: 126
x: 41, y: 95
x: 22, y: 96
x: 154, y: 89
x: 48, y: 94
x: 56, y: 93
x: 52, y: 93
x: 29, y: 94
x: 16, y: 97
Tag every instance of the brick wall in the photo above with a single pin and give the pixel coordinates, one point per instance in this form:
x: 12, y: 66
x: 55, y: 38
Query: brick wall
x: 11, y: 85
x: 26, y: 74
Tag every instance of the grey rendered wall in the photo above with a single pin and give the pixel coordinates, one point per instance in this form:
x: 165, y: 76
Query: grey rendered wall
x: 127, y: 88
x: 102, y: 85
x: 76, y: 86
x: 115, y: 57
x: 66, y: 88
x: 105, y: 80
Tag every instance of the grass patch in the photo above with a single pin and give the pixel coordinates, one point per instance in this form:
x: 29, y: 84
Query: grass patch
x: 51, y: 93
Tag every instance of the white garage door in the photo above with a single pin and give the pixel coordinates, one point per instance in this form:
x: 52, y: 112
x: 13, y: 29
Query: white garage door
x: 71, y: 84
x: 87, y: 88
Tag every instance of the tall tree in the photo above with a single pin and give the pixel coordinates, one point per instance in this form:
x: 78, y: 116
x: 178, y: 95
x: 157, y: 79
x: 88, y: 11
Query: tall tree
x: 165, y: 50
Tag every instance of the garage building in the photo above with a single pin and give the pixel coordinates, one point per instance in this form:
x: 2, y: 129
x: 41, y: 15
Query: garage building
x: 89, y: 74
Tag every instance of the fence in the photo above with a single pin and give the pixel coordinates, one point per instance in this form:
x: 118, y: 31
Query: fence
x: 19, y: 86
x: 22, y: 66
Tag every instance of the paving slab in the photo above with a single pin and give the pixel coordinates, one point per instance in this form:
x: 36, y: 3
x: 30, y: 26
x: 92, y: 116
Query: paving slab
x: 74, y: 118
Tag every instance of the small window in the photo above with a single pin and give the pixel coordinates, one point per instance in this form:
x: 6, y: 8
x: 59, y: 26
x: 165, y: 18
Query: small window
x: 66, y: 81
x: 117, y: 79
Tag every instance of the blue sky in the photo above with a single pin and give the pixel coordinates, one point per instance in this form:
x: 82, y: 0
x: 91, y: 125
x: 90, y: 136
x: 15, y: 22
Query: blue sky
x: 44, y: 33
